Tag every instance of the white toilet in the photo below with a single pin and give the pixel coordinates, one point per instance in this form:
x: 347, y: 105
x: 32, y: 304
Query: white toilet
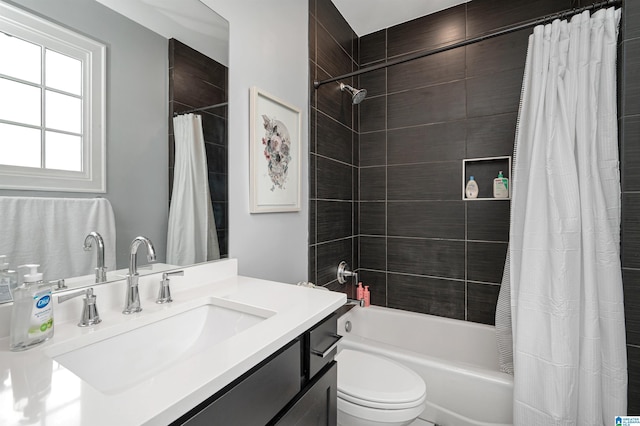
x: 376, y: 391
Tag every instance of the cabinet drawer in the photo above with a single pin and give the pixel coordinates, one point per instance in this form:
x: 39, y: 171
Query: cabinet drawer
x: 259, y: 397
x: 323, y: 339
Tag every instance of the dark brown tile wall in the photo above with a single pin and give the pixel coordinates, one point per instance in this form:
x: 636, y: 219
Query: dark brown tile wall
x: 333, y: 147
x: 195, y: 81
x: 630, y: 161
x: 414, y: 241
x: 435, y: 112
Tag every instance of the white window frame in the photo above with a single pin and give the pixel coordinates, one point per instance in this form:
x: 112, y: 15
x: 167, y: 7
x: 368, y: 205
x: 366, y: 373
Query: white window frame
x: 92, y: 54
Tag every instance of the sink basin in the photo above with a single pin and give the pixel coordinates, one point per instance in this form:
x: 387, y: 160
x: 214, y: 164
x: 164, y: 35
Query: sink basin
x: 124, y: 360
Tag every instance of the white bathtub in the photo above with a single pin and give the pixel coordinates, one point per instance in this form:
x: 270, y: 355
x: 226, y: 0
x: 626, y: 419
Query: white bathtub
x: 458, y: 361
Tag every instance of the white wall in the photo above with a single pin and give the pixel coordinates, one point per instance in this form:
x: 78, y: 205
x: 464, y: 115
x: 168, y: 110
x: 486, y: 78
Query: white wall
x: 268, y: 49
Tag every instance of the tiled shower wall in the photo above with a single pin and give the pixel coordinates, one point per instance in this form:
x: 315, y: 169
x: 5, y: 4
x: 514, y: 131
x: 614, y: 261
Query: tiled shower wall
x: 196, y: 80
x: 333, y: 234
x: 422, y: 248
x: 414, y: 240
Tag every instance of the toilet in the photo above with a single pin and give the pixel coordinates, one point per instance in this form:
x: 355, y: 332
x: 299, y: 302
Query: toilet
x: 376, y: 391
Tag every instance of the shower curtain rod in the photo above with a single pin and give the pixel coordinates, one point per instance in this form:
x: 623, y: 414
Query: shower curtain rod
x: 175, y: 114
x: 505, y: 30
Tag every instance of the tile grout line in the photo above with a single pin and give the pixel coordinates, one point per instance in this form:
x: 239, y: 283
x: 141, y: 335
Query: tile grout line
x: 466, y: 205
x: 386, y: 173
x: 466, y: 288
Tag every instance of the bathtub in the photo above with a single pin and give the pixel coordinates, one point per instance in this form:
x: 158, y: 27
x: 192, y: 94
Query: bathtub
x: 458, y: 361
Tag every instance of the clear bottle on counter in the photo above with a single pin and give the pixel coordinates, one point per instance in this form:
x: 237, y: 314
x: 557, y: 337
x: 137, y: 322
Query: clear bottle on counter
x: 32, y: 313
x: 8, y: 280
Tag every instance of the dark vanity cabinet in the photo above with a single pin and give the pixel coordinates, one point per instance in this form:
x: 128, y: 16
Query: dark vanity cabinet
x: 297, y: 385
x: 318, y: 403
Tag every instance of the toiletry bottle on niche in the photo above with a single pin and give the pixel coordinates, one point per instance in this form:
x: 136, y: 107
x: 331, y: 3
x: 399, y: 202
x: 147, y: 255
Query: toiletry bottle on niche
x: 471, y: 190
x: 501, y: 186
x: 8, y: 280
x: 367, y: 296
x: 32, y: 313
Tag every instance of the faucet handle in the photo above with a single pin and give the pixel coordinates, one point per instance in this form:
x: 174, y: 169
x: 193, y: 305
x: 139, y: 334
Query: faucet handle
x: 344, y: 272
x: 90, y: 314
x: 60, y: 285
x: 164, y: 293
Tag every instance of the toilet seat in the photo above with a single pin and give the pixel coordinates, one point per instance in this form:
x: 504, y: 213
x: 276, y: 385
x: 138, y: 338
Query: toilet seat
x: 382, y: 405
x: 371, y: 381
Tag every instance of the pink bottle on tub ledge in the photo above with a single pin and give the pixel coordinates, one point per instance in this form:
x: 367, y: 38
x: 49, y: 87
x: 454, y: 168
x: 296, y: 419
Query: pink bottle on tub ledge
x: 359, y: 292
x: 367, y: 296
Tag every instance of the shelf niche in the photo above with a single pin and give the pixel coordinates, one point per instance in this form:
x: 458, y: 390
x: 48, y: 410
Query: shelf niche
x: 484, y: 171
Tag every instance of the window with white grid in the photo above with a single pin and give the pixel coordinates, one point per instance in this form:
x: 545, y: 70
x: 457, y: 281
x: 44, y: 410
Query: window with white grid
x: 51, y: 106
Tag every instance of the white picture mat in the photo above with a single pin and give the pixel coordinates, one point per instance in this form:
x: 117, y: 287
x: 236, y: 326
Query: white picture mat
x: 265, y: 196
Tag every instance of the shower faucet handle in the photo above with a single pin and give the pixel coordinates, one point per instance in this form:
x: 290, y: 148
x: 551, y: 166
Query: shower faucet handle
x: 344, y: 273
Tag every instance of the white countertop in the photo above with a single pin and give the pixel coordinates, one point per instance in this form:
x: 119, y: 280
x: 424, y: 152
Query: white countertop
x: 35, y: 389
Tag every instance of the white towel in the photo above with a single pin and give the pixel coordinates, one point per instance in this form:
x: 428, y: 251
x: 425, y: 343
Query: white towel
x: 51, y: 232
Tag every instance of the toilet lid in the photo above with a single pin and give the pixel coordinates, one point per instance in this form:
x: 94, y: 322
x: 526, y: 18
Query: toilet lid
x: 373, y: 381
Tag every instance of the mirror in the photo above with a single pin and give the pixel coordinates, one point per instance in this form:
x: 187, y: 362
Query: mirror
x: 159, y: 58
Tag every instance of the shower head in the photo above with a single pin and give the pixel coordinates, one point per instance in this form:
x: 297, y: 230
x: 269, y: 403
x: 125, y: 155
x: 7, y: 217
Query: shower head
x: 357, y: 95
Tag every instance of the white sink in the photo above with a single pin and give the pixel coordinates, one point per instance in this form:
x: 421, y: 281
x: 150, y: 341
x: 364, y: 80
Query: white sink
x: 124, y: 360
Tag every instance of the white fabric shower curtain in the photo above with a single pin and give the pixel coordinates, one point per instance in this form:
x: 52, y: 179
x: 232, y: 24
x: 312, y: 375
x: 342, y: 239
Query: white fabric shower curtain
x: 191, y: 236
x: 565, y: 274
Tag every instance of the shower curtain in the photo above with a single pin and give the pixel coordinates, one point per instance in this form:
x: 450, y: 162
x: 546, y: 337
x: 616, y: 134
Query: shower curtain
x: 569, y: 351
x: 192, y: 236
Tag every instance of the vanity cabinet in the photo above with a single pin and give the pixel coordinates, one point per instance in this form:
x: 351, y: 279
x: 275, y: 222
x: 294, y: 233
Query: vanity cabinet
x: 317, y: 405
x: 297, y: 385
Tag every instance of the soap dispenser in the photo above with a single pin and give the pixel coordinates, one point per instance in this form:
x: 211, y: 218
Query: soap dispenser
x: 501, y: 186
x: 32, y: 313
x: 8, y: 280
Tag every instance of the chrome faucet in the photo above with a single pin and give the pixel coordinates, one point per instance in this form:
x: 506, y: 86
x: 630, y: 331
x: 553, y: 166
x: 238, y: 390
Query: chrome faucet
x: 90, y: 314
x: 101, y: 271
x: 132, y: 299
x: 344, y: 272
x: 164, y: 293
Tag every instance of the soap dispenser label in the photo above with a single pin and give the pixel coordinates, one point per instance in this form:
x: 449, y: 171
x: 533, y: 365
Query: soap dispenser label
x: 41, y: 320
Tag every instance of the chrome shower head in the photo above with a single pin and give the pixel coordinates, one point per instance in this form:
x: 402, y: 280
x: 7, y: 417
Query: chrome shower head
x: 357, y: 95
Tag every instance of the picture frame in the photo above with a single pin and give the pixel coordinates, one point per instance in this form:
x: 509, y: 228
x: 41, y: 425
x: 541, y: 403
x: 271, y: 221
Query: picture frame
x: 274, y: 154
